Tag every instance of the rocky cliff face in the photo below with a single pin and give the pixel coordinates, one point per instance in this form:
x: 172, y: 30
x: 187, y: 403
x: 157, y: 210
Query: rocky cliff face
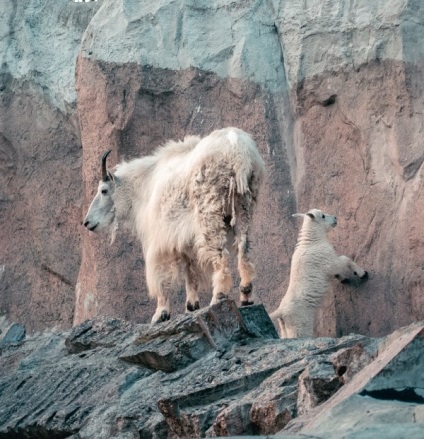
x: 331, y: 91
x: 220, y: 371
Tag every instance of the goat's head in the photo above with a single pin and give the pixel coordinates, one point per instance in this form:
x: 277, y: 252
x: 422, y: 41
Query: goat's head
x: 319, y: 218
x: 101, y: 214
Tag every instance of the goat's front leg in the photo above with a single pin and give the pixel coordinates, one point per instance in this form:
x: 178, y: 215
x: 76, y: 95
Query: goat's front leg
x: 162, y: 313
x: 345, y: 270
x: 157, y: 277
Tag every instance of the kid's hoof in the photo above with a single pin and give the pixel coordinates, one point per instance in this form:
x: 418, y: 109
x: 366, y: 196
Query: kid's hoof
x: 190, y: 307
x: 222, y: 296
x: 365, y: 276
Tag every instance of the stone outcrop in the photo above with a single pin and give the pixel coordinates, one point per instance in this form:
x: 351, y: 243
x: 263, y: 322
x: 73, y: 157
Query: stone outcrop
x: 210, y: 373
x: 385, y: 396
x: 331, y: 92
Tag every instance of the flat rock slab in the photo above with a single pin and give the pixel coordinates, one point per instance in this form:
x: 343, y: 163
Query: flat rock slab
x: 359, y: 414
x: 101, y: 332
x: 15, y: 334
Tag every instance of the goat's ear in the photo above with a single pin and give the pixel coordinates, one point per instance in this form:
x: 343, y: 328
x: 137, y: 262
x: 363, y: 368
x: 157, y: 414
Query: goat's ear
x: 114, y: 178
x: 311, y: 215
x: 298, y: 215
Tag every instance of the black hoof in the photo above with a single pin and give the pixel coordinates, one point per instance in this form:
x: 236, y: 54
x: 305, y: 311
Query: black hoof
x: 365, y: 276
x: 345, y: 281
x: 191, y: 307
x: 222, y: 296
x: 246, y: 289
x: 164, y: 316
x: 246, y: 303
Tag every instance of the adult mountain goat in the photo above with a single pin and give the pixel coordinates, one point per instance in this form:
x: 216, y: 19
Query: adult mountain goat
x: 313, y: 265
x: 186, y: 203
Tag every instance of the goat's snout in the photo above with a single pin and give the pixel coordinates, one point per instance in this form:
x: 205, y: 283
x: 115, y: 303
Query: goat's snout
x: 90, y: 226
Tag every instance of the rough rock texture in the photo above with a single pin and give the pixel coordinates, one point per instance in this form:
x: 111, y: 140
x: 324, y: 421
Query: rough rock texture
x: 389, y: 391
x: 331, y: 90
x: 106, y: 379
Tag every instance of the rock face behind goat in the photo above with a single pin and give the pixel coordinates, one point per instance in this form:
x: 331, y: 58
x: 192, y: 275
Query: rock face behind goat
x: 314, y: 264
x: 186, y: 203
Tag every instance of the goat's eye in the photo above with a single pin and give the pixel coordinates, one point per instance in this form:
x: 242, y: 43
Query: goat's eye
x: 104, y: 191
x: 323, y: 216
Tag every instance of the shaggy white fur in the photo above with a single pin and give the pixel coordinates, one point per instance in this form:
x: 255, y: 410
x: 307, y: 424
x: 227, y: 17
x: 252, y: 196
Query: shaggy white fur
x: 184, y: 203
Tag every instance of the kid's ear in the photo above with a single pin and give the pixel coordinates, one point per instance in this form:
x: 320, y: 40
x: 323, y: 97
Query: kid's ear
x: 298, y: 215
x: 311, y: 215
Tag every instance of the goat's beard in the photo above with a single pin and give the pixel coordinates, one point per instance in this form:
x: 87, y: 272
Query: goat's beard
x: 113, y: 231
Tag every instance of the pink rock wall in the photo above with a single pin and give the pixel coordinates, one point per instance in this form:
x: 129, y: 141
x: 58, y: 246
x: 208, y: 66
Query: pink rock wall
x: 40, y: 208
x: 132, y: 110
x: 332, y: 94
x: 366, y: 166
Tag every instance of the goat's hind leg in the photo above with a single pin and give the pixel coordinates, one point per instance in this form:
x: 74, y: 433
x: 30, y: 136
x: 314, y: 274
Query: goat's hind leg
x: 278, y: 317
x: 245, y: 266
x: 247, y: 273
x: 191, y: 276
x: 213, y: 252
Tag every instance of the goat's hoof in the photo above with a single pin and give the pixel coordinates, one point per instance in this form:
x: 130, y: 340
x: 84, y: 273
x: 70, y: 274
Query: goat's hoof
x: 345, y: 281
x: 221, y: 296
x: 365, y: 276
x: 164, y: 316
x: 247, y: 289
x: 247, y: 303
x: 190, y: 307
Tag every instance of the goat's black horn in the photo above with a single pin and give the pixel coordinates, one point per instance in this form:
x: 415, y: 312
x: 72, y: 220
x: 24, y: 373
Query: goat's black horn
x: 105, y: 176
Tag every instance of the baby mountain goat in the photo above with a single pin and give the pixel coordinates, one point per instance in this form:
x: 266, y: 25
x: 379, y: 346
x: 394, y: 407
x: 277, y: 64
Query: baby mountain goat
x: 186, y: 203
x: 314, y: 264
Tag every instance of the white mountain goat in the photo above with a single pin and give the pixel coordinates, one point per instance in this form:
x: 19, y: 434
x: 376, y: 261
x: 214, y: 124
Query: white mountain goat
x: 186, y: 203
x: 313, y: 265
